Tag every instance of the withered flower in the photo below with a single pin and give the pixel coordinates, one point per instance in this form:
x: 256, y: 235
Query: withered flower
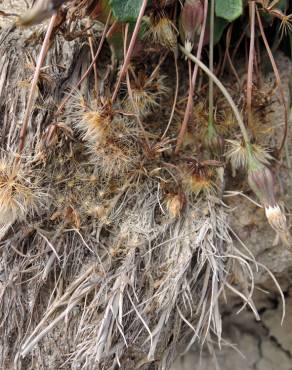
x: 214, y: 141
x: 191, y: 20
x: 261, y: 181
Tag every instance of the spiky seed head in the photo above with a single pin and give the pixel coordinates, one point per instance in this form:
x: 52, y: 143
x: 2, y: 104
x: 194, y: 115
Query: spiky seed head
x: 146, y: 94
x: 191, y: 20
x: 196, y: 183
x: 162, y: 31
x: 18, y: 195
x: 94, y: 126
x: 238, y: 154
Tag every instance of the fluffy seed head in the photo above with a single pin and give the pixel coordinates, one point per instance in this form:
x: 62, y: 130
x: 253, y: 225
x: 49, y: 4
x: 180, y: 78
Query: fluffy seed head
x: 238, y: 154
x: 161, y: 31
x: 199, y: 183
x: 146, y: 94
x: 18, y: 195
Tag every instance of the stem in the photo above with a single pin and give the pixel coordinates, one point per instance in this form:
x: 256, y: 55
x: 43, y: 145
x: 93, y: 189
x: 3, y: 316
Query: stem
x: 175, y: 97
x: 42, y: 56
x: 278, y: 79
x: 250, y: 64
x: 190, y: 103
x: 104, y: 33
x: 91, y: 46
x: 136, y: 109
x: 211, y: 65
x: 130, y: 50
x: 224, y: 92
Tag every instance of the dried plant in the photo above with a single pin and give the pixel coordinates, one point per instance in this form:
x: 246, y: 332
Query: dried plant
x: 114, y: 232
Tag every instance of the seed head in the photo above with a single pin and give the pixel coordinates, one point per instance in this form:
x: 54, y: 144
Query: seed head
x: 162, y: 31
x: 197, y: 183
x: 238, y: 154
x: 18, y: 195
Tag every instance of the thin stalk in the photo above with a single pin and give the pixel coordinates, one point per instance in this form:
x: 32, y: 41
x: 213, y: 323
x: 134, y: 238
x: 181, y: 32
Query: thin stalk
x: 190, y: 103
x: 103, y: 36
x: 250, y: 65
x: 91, y: 46
x: 278, y: 80
x: 211, y: 66
x: 130, y: 50
x: 40, y: 62
x: 211, y: 62
x: 224, y: 92
x: 136, y: 109
x: 175, y: 97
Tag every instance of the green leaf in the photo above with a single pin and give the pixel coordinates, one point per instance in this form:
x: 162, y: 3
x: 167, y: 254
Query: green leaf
x: 219, y: 26
x: 126, y: 10
x: 228, y: 9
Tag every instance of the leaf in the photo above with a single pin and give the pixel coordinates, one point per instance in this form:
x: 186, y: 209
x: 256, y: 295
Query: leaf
x: 126, y: 10
x: 228, y: 9
x: 219, y: 26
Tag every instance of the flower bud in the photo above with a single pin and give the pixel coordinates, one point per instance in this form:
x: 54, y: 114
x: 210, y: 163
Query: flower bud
x: 191, y: 20
x: 261, y: 181
x: 214, y: 141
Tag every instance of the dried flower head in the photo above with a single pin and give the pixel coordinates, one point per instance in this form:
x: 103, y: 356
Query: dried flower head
x: 119, y: 152
x: 162, y: 31
x: 18, y: 194
x: 191, y: 20
x: 91, y: 119
x: 146, y: 93
x: 276, y: 218
x: 199, y: 182
x: 238, y: 154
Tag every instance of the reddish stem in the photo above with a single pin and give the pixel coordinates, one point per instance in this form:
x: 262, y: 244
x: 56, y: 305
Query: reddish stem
x: 250, y: 65
x: 190, y: 103
x: 42, y: 56
x: 103, y: 36
x: 130, y: 50
x: 278, y: 79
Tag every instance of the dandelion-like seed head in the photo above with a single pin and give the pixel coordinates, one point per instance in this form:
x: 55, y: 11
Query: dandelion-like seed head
x: 196, y: 183
x: 238, y: 154
x: 146, y: 93
x: 162, y: 31
x: 18, y: 195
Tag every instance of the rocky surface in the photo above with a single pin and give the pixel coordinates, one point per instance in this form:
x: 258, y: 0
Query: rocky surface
x: 250, y: 345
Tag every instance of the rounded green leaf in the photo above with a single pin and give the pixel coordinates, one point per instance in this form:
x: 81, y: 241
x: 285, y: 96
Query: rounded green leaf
x: 126, y: 10
x: 228, y: 9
